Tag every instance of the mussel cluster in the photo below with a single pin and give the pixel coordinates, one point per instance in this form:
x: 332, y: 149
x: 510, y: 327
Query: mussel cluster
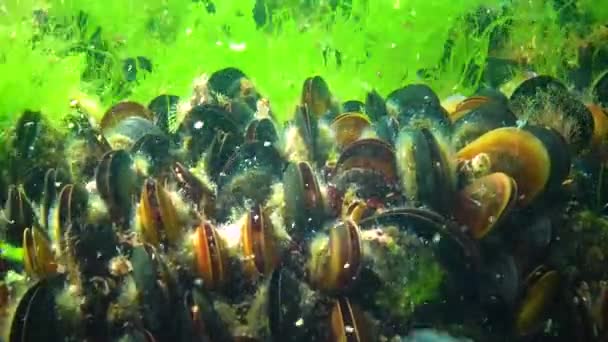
x: 203, y: 219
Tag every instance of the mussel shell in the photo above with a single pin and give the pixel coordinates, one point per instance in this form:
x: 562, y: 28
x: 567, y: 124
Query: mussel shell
x: 227, y: 81
x: 115, y: 179
x: 457, y: 252
x: 535, y: 85
x: 348, y: 322
x: 559, y: 154
x: 284, y: 307
x: 481, y: 119
x: 369, y: 154
x: 303, y: 200
x: 202, y: 197
x: 348, y: 127
x: 375, y: 106
x: 38, y: 258
x: 223, y: 146
x: 164, y: 108
x: 158, y: 216
x: 424, y: 170
x: 19, y: 213
x: 600, y: 127
x: 417, y: 105
x: 387, y: 128
x: 210, y: 258
x: 340, y: 267
x: 316, y: 96
x: 35, y: 318
x: 201, y: 124
x: 308, y: 127
x: 368, y: 166
x: 34, y: 148
x: 70, y: 210
x: 353, y: 106
x: 516, y: 152
x: 481, y: 205
x: 600, y: 90
x: 54, y: 180
x: 537, y: 299
x: 121, y: 111
x: 500, y: 283
x: 201, y: 321
x: 262, y: 130
x: 154, y: 300
x: 260, y: 248
x: 154, y: 146
x: 532, y: 96
x: 255, y: 156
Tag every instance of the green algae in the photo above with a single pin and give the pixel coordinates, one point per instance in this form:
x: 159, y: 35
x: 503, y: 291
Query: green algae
x: 361, y: 45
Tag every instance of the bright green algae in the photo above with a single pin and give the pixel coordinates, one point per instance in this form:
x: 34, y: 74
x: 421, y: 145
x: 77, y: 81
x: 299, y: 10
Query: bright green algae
x: 382, y: 45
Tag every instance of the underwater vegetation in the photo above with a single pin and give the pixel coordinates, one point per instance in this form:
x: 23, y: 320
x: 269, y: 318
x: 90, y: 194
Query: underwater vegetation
x: 303, y: 171
x: 117, y: 50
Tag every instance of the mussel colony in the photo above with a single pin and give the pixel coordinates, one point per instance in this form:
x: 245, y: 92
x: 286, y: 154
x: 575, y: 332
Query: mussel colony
x: 202, y: 219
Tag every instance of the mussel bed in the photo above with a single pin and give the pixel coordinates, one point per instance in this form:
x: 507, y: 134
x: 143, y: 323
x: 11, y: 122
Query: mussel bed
x: 353, y: 221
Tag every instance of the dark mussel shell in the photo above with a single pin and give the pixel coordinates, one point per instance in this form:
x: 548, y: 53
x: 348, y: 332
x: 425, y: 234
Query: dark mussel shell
x: 303, y: 200
x: 54, y: 180
x: 115, y: 180
x: 249, y: 174
x: 387, y: 128
x: 289, y: 304
x: 70, y: 210
x: 375, y: 106
x: 416, y: 105
x: 472, y: 122
x: 349, y: 323
x: 89, y: 142
x: 36, y: 318
x: 200, y: 320
x: 559, y: 156
x: 199, y: 194
x: 456, y: 251
x: 316, y: 96
x: 150, y: 277
x: 35, y: 147
x: 352, y: 106
x: 426, y: 176
x: 19, y: 214
x: 164, y: 108
x: 201, y: 124
x: 538, y: 95
x: 227, y: 82
x: 262, y: 130
x: 600, y: 90
x: 223, y: 146
x: 156, y: 148
x: 369, y: 165
x: 308, y: 127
